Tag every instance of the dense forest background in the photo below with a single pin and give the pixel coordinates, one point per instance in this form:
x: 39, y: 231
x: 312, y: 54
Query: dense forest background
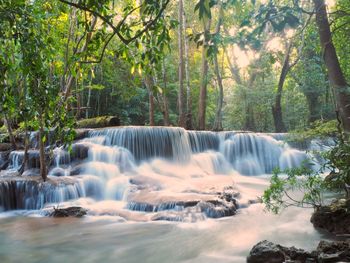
x: 233, y: 65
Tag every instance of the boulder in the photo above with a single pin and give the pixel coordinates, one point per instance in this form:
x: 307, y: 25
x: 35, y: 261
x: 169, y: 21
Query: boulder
x: 334, y: 218
x: 266, y: 252
x: 326, y: 252
x: 74, y: 211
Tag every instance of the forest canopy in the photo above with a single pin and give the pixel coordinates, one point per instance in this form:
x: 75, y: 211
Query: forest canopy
x: 272, y: 66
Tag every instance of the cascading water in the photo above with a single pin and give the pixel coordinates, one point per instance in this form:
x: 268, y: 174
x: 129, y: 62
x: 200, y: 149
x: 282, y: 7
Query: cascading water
x: 170, y: 173
x: 143, y: 174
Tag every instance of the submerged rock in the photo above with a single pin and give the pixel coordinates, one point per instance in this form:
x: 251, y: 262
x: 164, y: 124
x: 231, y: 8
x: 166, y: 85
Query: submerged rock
x: 334, y: 218
x: 74, y: 211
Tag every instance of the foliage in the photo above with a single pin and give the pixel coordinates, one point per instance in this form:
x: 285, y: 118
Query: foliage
x: 339, y: 165
x: 312, y: 184
x: 57, y: 41
x: 285, y: 191
x: 318, y: 130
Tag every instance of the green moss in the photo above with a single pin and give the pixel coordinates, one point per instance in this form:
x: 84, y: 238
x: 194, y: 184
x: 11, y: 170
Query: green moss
x: 319, y: 130
x: 98, y: 122
x: 3, y: 129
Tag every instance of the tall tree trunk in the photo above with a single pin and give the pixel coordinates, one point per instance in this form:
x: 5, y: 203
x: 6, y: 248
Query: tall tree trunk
x: 218, y: 116
x: 43, y: 168
x: 181, y: 95
x: 233, y: 69
x: 189, y: 122
x: 89, y: 97
x: 313, y: 105
x: 335, y: 74
x: 149, y: 86
x: 202, y: 105
x: 277, y: 108
x: 165, y: 106
x: 25, y: 163
x: 249, y: 110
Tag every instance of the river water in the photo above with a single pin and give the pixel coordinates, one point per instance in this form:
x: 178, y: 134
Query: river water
x: 134, y: 176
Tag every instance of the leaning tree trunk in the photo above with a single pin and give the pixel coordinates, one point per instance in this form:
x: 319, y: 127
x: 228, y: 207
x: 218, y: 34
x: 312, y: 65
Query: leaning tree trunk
x: 181, y: 96
x: 335, y: 74
x: 8, y: 125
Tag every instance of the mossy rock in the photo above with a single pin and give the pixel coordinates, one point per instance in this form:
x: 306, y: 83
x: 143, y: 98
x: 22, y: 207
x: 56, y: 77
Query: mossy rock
x: 99, y: 122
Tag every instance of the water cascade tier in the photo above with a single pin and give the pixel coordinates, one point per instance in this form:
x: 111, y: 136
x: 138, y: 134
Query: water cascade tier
x: 148, y: 173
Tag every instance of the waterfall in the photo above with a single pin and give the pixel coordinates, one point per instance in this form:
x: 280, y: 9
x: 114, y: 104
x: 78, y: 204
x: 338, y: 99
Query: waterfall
x: 170, y: 173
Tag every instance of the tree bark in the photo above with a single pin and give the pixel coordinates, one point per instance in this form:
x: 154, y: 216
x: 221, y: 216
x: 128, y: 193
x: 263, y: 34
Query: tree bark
x: 218, y: 116
x: 25, y: 163
x: 202, y: 105
x: 43, y: 168
x: 189, y: 122
x: 165, y: 106
x: 335, y: 74
x: 149, y: 86
x: 277, y: 108
x: 313, y: 104
x: 8, y: 125
x: 181, y: 99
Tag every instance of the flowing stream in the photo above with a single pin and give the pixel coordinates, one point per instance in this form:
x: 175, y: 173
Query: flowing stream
x: 153, y: 195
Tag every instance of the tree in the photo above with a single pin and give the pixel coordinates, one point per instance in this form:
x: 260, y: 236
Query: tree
x: 335, y: 73
x: 218, y: 116
x: 181, y: 96
x: 204, y: 11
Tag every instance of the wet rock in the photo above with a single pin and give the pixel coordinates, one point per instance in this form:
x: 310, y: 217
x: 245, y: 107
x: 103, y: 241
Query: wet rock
x: 334, y: 218
x: 4, y: 147
x: 326, y: 252
x: 266, y: 252
x: 337, y: 251
x: 77, y: 170
x: 74, y: 211
x: 80, y: 151
x: 81, y: 134
x: 4, y: 164
x: 4, y: 160
x: 57, y: 171
x: 217, y: 209
x: 175, y: 217
x: 32, y: 172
